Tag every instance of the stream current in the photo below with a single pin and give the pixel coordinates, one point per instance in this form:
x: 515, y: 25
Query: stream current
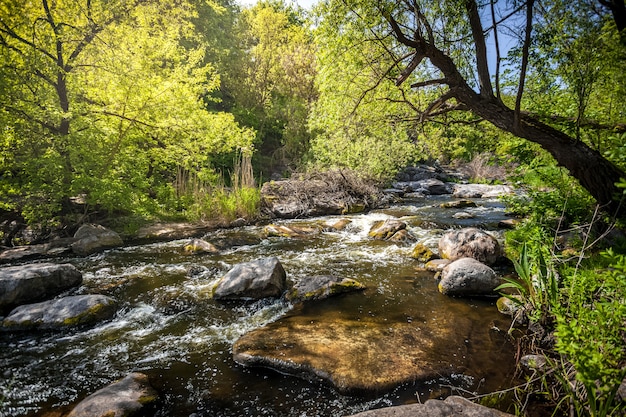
x: 169, y: 328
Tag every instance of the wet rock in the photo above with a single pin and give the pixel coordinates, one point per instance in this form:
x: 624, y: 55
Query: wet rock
x: 357, y: 354
x: 56, y: 247
x: 509, y: 305
x: 92, y: 238
x: 453, y: 406
x: 196, y: 246
x: 35, y: 282
x: 172, y: 231
x: 385, y: 229
x: 321, y: 286
x: 252, y: 280
x: 60, y: 313
x: 463, y: 215
x: 123, y: 398
x: 458, y: 204
x: 480, y: 190
x: 469, y: 243
x: 339, y: 225
x: 437, y: 265
x: 274, y: 230
x: 422, y: 253
x: 468, y: 277
x: 402, y: 236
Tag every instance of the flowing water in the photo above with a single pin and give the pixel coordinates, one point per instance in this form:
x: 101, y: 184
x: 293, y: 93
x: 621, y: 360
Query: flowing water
x: 169, y: 327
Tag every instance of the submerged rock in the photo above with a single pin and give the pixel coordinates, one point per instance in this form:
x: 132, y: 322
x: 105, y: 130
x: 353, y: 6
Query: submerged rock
x: 357, y: 354
x: 92, y: 238
x: 123, y: 398
x: 61, y: 313
x: 385, y: 229
x: 469, y: 243
x: 467, y: 276
x: 253, y: 280
x: 35, y: 282
x: 453, y: 406
x: 321, y: 286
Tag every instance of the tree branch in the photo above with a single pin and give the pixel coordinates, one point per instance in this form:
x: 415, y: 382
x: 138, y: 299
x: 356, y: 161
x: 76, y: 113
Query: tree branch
x: 497, y: 47
x: 437, y: 81
x: 486, y: 90
x: 522, y: 76
x: 418, y: 57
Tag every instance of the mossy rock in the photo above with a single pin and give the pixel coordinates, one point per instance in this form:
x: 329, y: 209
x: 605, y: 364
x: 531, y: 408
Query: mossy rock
x: 422, y: 253
x: 318, y: 287
x: 197, y: 246
x: 458, y: 204
x: 61, y: 313
x: 385, y: 229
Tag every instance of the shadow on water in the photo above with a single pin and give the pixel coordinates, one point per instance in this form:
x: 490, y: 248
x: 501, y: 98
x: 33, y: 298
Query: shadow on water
x: 169, y: 327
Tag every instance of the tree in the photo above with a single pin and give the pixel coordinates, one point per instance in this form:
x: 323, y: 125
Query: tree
x: 430, y: 48
x: 104, y: 100
x: 274, y: 84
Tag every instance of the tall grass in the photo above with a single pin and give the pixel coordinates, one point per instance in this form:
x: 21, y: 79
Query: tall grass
x: 215, y: 201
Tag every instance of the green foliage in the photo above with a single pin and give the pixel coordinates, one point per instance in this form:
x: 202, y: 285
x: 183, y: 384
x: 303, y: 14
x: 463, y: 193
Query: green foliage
x: 106, y: 103
x: 590, y: 333
x: 536, y: 284
x: 273, y: 81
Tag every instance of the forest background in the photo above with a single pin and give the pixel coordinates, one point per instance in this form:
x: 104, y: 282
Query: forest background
x: 138, y: 110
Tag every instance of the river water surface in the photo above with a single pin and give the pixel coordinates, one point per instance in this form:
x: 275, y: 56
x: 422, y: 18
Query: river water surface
x: 169, y: 327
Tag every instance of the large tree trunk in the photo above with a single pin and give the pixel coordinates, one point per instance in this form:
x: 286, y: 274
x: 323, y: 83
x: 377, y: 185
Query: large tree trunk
x: 595, y: 173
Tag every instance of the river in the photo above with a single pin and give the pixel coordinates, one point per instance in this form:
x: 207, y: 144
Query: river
x: 169, y: 327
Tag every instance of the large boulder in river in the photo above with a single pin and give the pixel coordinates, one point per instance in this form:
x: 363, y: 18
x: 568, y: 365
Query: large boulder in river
x: 453, y: 406
x: 124, y: 398
x: 61, y: 313
x: 252, y: 280
x: 468, y: 277
x: 358, y: 353
x: 35, y: 282
x: 92, y: 238
x: 469, y: 243
x: 321, y: 286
